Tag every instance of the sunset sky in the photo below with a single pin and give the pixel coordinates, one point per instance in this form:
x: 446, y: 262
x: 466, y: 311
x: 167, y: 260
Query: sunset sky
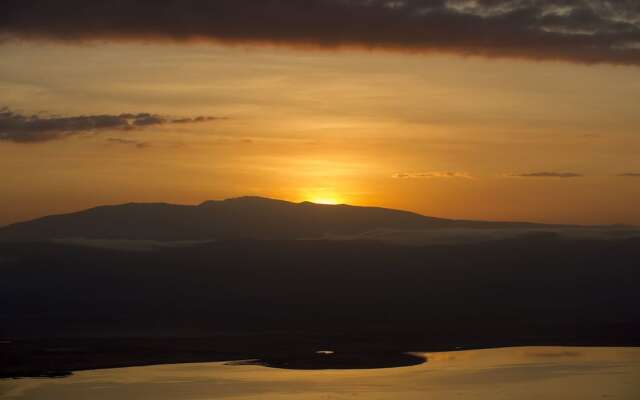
x: 492, y: 110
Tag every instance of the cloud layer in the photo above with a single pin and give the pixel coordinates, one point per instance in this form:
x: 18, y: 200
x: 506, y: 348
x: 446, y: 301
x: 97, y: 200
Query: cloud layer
x: 548, y: 175
x: 433, y: 174
x: 129, y: 142
x: 15, y: 127
x: 584, y: 31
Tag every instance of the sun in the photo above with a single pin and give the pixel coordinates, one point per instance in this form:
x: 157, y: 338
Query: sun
x: 322, y: 196
x: 325, y: 200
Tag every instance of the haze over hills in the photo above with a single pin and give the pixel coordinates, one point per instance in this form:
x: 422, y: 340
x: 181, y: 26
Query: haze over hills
x: 243, y: 217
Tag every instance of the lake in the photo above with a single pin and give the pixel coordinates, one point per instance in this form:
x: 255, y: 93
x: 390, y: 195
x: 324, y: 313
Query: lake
x: 507, y: 373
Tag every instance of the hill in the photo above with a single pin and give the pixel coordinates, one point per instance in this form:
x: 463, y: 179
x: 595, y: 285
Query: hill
x: 243, y: 217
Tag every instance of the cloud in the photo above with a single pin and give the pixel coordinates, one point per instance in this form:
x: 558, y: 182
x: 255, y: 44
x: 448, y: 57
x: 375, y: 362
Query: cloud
x: 548, y: 175
x: 583, y: 31
x: 137, y: 143
x: 630, y: 175
x: 433, y: 174
x: 194, y: 120
x: 15, y: 127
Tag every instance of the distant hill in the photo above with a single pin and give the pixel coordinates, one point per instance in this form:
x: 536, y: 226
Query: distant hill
x: 243, y: 217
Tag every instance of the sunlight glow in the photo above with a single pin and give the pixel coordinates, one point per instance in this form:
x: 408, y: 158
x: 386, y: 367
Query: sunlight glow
x: 322, y: 195
x: 325, y: 200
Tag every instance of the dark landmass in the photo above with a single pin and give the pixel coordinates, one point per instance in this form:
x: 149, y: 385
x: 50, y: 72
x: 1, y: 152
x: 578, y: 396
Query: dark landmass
x: 244, y: 217
x: 65, y: 308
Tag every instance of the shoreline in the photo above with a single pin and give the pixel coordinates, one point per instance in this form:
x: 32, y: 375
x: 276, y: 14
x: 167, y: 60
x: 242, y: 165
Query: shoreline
x: 65, y: 362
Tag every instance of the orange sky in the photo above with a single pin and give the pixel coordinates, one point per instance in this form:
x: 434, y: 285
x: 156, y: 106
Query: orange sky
x: 441, y: 135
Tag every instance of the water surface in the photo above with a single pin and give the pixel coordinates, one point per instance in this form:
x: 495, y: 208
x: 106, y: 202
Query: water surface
x: 509, y: 373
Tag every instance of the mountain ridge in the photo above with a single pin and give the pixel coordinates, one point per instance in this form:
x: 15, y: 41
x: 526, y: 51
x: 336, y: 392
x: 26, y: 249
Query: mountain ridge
x: 240, y: 217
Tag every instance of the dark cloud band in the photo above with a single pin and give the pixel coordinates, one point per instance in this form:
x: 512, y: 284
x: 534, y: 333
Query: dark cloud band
x: 15, y: 127
x: 584, y: 31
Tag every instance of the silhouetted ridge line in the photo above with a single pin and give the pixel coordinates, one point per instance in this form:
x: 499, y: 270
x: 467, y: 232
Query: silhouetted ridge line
x: 242, y: 217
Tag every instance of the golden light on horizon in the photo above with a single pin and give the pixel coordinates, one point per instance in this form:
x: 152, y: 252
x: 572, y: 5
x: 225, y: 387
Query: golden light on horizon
x: 323, y: 196
x: 325, y: 200
x: 325, y: 128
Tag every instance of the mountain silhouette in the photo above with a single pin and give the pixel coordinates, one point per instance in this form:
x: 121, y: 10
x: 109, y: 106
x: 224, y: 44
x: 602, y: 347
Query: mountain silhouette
x: 243, y: 217
x: 241, y: 296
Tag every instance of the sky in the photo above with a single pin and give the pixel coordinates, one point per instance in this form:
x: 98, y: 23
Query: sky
x: 490, y: 110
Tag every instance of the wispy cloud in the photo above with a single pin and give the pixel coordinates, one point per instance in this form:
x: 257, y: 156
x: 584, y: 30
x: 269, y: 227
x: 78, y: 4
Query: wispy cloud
x: 432, y: 174
x: 19, y: 128
x: 583, y: 31
x: 194, y: 120
x: 129, y: 142
x: 547, y: 175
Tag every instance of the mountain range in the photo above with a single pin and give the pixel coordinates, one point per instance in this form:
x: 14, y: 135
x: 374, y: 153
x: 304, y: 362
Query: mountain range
x: 243, y: 217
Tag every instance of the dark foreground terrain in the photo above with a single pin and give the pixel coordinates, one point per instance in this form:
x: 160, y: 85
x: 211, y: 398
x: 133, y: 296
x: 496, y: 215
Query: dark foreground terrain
x: 65, y: 308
